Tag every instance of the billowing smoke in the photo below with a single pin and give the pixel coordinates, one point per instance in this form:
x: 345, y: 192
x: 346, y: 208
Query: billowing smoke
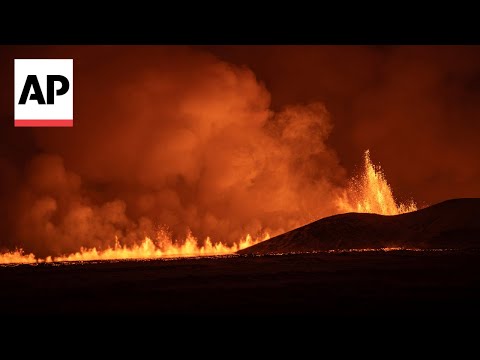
x: 415, y: 107
x: 172, y: 137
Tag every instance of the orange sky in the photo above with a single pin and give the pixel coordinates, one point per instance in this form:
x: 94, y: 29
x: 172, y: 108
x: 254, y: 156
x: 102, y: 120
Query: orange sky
x: 228, y: 138
x: 415, y: 107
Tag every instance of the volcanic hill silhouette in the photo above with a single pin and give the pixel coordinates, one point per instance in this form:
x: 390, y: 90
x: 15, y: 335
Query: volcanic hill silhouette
x: 452, y: 224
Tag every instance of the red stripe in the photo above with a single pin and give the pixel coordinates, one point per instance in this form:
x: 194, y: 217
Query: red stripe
x: 43, y: 123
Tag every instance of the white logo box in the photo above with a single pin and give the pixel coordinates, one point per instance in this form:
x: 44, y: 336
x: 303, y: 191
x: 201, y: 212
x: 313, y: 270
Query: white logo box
x: 33, y: 113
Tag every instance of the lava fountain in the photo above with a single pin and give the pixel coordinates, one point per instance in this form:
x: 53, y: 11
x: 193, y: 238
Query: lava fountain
x: 367, y: 193
x: 371, y: 193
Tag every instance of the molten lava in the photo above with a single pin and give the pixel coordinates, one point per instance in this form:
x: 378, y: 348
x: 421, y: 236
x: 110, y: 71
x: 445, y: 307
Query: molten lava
x: 17, y: 257
x: 368, y: 193
x: 371, y: 193
x: 163, y: 247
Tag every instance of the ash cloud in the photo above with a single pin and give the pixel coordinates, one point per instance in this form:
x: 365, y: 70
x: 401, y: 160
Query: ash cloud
x: 415, y: 107
x: 190, y: 137
x: 175, y: 137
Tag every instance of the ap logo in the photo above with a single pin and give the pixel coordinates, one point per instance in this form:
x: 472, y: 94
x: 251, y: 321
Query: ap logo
x: 43, y: 92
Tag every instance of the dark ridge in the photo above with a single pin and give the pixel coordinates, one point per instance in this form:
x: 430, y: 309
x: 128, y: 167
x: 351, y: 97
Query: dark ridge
x: 452, y: 224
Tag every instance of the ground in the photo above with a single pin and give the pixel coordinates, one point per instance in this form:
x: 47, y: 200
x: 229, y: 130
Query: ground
x: 370, y: 283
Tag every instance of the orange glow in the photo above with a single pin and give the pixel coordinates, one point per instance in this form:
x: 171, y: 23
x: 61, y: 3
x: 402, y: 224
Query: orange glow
x: 163, y: 247
x: 371, y: 193
x: 17, y: 257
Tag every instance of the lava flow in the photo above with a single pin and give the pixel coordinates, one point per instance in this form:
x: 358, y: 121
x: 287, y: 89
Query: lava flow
x: 369, y: 193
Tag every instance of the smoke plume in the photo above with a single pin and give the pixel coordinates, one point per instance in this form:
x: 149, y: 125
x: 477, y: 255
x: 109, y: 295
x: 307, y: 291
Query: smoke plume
x: 175, y: 138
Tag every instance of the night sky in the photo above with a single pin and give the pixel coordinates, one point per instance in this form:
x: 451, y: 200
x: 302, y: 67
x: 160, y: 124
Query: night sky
x: 228, y: 139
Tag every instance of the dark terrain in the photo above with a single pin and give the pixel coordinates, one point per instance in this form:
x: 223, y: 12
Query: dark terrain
x: 381, y: 283
x: 452, y: 224
x: 341, y: 284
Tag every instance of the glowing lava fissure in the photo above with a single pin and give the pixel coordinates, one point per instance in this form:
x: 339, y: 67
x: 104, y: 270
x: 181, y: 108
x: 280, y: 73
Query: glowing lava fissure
x: 367, y: 193
x: 162, y: 247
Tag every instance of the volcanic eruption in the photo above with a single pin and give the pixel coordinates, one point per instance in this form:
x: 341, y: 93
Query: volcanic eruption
x: 178, y: 152
x: 369, y: 192
x: 245, y: 180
